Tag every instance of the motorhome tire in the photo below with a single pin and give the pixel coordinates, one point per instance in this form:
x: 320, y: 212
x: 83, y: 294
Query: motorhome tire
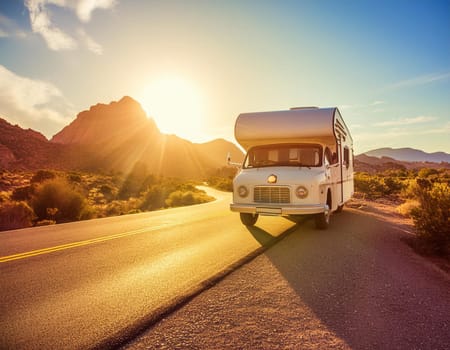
x: 249, y: 219
x: 339, y: 208
x: 322, y: 220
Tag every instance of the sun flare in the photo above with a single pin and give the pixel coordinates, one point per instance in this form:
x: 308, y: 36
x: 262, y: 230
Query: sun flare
x: 177, y: 107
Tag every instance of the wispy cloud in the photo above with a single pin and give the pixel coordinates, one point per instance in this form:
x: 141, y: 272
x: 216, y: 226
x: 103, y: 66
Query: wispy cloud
x: 56, y: 38
x: 84, y: 8
x: 32, y: 103
x: 90, y: 43
x: 8, y: 28
x: 407, y: 121
x: 420, y: 80
x: 41, y: 23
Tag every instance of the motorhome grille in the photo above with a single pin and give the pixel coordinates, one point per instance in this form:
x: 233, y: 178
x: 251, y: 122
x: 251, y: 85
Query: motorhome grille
x: 271, y: 194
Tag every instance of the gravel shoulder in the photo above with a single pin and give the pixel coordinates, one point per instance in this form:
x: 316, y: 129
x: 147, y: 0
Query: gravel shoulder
x: 354, y: 286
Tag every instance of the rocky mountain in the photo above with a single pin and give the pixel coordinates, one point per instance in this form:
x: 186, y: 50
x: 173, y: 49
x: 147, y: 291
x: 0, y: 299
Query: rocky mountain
x: 112, y: 137
x: 103, y: 123
x: 409, y: 155
x: 22, y: 149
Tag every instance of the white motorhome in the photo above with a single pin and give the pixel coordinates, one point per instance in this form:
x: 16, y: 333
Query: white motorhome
x: 298, y: 162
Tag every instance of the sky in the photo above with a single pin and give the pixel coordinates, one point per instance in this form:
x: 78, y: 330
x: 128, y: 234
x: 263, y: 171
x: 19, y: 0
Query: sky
x: 196, y: 65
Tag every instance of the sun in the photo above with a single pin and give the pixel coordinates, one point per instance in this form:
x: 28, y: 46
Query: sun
x: 177, y: 107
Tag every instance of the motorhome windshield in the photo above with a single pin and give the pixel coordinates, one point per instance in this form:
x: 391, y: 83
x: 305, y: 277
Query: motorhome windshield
x: 298, y: 155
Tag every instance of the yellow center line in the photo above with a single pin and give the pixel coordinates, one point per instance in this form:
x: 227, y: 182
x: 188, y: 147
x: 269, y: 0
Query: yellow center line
x: 76, y: 244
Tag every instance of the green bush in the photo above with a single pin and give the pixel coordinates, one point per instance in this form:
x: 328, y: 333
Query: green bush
x: 42, y: 175
x: 370, y: 185
x: 22, y: 193
x: 432, y: 217
x: 154, y: 198
x: 57, y: 200
x: 179, y: 198
x: 135, y: 182
x: 221, y: 183
x: 74, y: 177
x: 108, y: 191
x: 14, y: 215
x: 377, y: 186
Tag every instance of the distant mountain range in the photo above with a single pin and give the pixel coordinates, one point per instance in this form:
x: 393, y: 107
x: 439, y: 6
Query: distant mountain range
x: 112, y: 137
x: 409, y: 155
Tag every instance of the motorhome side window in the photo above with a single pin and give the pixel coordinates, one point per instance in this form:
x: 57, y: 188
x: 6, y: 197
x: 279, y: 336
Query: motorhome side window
x: 346, y: 157
x: 308, y: 155
x: 331, y: 155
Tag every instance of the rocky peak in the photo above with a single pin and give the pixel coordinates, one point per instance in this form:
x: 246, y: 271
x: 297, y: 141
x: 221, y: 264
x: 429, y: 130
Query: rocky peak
x: 103, y: 122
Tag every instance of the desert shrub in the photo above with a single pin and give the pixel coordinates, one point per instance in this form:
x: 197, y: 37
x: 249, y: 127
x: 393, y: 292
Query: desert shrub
x: 4, y: 196
x: 108, y: 191
x: 408, y: 207
x: 14, y: 215
x: 179, y: 198
x: 432, y: 217
x: 74, y: 177
x: 87, y: 213
x: 22, y: 193
x: 154, y: 198
x: 409, y: 190
x: 116, y: 208
x: 377, y: 186
x: 221, y: 183
x: 371, y: 186
x: 135, y: 182
x: 120, y: 207
x: 393, y: 185
x: 57, y: 200
x: 427, y: 172
x: 42, y: 175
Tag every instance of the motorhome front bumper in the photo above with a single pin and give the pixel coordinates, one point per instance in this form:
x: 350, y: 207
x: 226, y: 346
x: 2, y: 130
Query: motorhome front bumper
x: 279, y: 210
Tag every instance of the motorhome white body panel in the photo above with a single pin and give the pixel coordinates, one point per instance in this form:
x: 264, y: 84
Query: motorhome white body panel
x: 298, y: 161
x: 302, y: 125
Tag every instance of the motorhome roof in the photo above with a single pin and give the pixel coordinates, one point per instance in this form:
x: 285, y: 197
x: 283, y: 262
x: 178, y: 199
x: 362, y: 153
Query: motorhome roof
x: 321, y: 125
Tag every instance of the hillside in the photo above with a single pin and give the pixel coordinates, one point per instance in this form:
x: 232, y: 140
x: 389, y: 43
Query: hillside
x: 112, y: 137
x: 410, y: 155
x: 370, y: 164
x: 22, y: 149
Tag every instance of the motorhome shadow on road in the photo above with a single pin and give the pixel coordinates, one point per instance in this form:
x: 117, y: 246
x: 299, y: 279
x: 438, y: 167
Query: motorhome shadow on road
x: 298, y: 162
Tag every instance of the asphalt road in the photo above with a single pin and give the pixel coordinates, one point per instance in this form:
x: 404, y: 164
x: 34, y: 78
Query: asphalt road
x: 355, y: 286
x: 92, y: 283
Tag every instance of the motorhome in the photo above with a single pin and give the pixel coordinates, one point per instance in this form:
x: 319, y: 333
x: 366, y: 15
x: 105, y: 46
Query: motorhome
x: 298, y: 162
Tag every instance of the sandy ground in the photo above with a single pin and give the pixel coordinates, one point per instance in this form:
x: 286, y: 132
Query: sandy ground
x: 354, y: 286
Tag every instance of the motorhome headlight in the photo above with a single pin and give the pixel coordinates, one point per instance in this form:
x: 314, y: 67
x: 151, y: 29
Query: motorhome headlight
x: 301, y: 192
x: 242, y: 191
x: 272, y: 179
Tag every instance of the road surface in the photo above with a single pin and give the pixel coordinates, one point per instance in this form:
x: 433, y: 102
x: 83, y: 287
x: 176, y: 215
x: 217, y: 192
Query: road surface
x: 355, y: 286
x: 93, y: 283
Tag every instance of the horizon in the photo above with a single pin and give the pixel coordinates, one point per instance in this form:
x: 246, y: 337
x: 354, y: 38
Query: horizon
x: 194, y: 67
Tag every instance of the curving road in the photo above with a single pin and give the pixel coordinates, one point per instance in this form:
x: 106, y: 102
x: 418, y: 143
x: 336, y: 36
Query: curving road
x: 93, y: 283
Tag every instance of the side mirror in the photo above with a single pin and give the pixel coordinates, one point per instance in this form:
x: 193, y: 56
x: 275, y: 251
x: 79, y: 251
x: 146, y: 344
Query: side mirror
x: 230, y: 163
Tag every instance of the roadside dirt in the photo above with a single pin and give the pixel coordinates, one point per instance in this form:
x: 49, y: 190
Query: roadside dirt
x: 388, y: 210
x: 354, y: 286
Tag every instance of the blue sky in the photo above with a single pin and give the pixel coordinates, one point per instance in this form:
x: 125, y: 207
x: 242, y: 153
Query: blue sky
x: 195, y: 65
